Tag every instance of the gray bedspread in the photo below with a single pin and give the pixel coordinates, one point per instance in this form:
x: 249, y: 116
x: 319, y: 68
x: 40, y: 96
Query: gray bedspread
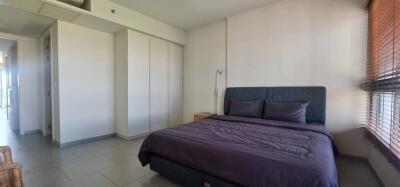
x: 249, y: 152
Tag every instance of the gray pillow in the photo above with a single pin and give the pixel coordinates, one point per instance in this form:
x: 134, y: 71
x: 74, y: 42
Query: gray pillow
x: 286, y: 111
x: 250, y: 109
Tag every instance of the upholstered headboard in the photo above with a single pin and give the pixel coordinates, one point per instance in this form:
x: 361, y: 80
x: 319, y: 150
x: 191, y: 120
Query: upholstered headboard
x: 316, y: 96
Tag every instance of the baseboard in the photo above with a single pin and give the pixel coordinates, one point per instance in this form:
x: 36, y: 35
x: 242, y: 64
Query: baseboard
x: 133, y: 137
x: 77, y: 142
x: 352, y: 157
x: 32, y: 132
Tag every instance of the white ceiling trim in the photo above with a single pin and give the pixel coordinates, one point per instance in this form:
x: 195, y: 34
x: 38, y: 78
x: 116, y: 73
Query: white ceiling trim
x: 189, y: 14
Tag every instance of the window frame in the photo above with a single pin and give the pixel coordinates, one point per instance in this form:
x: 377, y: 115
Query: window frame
x: 383, y: 79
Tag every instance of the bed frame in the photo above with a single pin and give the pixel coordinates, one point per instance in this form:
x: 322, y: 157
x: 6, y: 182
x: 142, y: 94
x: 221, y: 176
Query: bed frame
x: 190, y: 177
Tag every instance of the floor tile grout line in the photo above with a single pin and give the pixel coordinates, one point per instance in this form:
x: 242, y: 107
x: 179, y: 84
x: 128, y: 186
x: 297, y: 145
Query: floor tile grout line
x: 94, y: 155
x: 82, y: 176
x: 138, y: 179
x: 77, y: 155
x: 26, y: 179
x: 62, y: 171
x: 101, y: 173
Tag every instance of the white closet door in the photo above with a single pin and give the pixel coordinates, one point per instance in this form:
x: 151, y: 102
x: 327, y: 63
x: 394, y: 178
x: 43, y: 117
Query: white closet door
x: 175, y: 85
x: 158, y: 84
x: 138, y: 84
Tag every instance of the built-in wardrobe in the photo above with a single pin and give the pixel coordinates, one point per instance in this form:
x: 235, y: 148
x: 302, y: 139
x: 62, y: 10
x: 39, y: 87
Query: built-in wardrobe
x: 148, y: 84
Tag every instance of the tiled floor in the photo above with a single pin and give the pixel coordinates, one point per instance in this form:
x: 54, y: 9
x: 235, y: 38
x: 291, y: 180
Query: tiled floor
x: 356, y: 173
x: 113, y: 162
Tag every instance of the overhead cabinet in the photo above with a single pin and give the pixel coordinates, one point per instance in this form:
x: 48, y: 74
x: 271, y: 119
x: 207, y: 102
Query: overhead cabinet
x: 148, y: 79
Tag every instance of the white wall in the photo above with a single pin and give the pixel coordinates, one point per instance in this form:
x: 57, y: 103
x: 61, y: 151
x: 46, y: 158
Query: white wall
x: 121, y: 83
x: 132, y: 88
x: 303, y: 43
x: 85, y: 82
x: 55, y: 89
x: 203, y: 55
x: 30, y: 92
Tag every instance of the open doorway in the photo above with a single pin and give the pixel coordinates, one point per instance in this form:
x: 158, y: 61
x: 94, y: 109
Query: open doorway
x: 9, y: 119
x: 4, y: 99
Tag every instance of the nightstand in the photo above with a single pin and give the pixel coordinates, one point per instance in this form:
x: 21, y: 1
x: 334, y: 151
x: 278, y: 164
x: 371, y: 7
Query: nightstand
x: 202, y: 115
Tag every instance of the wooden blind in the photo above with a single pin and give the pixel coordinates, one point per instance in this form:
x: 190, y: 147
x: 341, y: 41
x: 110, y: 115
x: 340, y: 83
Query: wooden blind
x: 383, y: 75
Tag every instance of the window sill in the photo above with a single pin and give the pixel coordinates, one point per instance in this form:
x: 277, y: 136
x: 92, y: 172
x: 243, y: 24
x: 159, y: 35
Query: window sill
x: 392, y: 158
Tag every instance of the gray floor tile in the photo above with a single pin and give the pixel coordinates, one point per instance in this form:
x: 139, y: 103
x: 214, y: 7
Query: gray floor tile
x: 122, y: 155
x: 125, y: 173
x: 92, y: 149
x: 91, y: 180
x: 45, y: 161
x: 50, y: 177
x: 86, y: 166
x: 353, y: 173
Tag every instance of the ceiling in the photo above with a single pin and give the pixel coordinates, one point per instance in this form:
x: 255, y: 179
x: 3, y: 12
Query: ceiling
x: 22, y: 22
x: 188, y: 14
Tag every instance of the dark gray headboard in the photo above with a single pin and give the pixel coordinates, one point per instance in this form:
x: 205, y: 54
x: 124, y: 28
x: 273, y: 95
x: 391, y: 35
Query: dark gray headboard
x: 315, y: 95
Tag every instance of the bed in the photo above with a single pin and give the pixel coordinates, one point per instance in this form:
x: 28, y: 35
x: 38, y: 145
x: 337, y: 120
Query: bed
x: 232, y: 151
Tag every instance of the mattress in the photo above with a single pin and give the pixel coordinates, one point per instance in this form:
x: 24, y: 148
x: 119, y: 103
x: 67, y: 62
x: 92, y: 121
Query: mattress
x: 249, y: 151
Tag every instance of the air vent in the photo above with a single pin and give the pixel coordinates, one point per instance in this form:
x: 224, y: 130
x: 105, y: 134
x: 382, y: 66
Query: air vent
x: 83, y: 4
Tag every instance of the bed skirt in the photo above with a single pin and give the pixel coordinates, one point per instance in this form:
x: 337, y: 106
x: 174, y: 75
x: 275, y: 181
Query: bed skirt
x: 183, y: 175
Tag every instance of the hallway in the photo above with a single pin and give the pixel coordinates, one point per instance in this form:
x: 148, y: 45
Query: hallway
x: 7, y: 136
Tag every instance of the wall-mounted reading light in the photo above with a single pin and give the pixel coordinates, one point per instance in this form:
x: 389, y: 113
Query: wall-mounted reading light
x: 217, y: 76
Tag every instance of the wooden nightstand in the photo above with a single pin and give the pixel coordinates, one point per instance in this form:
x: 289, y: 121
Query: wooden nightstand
x: 202, y: 115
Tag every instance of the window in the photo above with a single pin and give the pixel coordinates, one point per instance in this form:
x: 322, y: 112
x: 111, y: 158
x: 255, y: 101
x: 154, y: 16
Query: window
x: 383, y: 77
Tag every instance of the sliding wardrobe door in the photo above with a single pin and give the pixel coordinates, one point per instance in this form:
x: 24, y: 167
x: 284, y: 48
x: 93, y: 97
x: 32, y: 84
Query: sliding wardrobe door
x: 175, y: 85
x: 158, y: 84
x: 138, y: 84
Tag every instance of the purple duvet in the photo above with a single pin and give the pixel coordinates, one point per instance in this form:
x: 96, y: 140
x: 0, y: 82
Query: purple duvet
x: 249, y: 152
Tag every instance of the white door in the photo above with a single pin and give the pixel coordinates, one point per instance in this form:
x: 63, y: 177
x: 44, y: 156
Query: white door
x: 158, y: 84
x: 138, y: 84
x: 175, y: 85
